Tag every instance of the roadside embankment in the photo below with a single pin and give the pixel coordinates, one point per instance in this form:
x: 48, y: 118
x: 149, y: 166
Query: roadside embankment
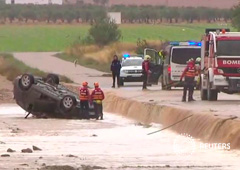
x: 6, y: 95
x: 204, y: 126
x: 11, y: 68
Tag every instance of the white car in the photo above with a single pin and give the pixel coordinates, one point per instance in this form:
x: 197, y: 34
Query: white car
x: 131, y: 70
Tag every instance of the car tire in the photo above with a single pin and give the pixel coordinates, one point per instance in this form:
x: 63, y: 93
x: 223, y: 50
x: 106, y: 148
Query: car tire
x: 52, y: 78
x: 203, y: 94
x: 68, y: 102
x: 163, y: 84
x: 121, y: 82
x: 26, y: 81
x: 212, y: 95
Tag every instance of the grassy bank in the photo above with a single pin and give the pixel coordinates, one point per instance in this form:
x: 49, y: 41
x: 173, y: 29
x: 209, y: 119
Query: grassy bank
x: 11, y: 68
x: 87, y: 62
x: 36, y: 38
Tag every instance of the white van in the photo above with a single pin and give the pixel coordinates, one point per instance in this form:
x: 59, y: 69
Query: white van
x: 177, y: 55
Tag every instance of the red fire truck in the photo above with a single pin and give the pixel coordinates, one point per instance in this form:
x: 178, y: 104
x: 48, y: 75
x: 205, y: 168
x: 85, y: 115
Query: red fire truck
x: 220, y: 63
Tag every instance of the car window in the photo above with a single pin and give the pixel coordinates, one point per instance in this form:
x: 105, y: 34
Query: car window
x: 182, y: 55
x: 136, y: 62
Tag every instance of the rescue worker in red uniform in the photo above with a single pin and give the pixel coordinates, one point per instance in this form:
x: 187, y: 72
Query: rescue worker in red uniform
x: 97, y: 97
x: 189, y: 75
x: 146, y: 70
x: 84, y: 100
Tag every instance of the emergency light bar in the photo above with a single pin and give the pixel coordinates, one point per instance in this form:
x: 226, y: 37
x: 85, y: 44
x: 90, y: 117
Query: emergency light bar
x: 126, y: 55
x: 185, y: 43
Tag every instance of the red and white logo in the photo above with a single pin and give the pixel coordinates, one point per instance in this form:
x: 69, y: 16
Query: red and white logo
x: 231, y: 62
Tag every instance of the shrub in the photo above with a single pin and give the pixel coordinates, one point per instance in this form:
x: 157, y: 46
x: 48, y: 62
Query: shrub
x: 104, y: 32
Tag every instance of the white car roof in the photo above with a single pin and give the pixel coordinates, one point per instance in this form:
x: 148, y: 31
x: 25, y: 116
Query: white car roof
x: 189, y: 46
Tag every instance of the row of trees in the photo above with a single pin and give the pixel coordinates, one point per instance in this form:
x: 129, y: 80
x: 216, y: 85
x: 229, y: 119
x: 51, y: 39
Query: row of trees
x: 130, y: 14
x: 236, y: 17
x: 172, y: 14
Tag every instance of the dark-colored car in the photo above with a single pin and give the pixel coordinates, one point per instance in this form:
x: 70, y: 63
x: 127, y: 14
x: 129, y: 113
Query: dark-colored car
x: 46, y: 97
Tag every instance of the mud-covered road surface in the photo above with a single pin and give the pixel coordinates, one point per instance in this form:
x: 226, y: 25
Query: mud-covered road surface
x: 6, y: 87
x: 114, y: 143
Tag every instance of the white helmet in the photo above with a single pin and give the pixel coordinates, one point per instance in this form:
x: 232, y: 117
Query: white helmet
x: 147, y: 57
x: 198, y: 60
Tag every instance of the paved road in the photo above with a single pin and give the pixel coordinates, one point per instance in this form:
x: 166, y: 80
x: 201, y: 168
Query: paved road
x: 227, y: 105
x: 46, y: 61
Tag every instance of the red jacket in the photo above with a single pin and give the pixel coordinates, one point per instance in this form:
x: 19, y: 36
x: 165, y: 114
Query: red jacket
x: 97, y: 94
x: 189, y: 71
x: 84, y: 94
x: 146, y: 66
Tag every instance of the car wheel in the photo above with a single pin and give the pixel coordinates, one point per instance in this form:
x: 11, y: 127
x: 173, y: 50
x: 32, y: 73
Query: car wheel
x: 163, y: 84
x: 26, y: 81
x: 68, y: 102
x: 121, y: 82
x: 52, y: 79
x: 212, y: 95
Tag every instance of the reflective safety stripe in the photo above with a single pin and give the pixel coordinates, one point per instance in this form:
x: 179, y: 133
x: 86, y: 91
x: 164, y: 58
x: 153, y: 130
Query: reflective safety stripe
x: 84, y: 94
x: 191, y: 72
x: 98, y: 95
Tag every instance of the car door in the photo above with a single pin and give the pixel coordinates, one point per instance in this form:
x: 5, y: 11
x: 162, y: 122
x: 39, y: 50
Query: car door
x: 156, y: 67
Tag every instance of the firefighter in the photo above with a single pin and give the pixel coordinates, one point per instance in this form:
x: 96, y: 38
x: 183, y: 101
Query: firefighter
x: 189, y: 75
x: 115, y: 68
x: 146, y: 70
x: 97, y: 97
x: 162, y: 55
x: 84, y: 100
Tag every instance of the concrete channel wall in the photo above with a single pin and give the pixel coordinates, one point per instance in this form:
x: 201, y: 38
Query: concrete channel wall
x: 206, y: 127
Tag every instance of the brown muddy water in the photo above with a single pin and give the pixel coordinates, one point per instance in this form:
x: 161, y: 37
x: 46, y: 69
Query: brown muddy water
x: 114, y: 143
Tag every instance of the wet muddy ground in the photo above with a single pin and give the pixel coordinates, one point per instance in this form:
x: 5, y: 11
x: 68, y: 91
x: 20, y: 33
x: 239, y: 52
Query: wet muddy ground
x: 114, y: 143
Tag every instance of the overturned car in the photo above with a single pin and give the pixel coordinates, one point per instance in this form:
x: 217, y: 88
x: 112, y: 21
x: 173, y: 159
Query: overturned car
x: 45, y: 97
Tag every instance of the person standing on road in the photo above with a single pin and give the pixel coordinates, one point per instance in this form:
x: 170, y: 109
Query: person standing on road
x: 189, y: 74
x: 97, y: 97
x: 146, y: 70
x: 115, y: 68
x: 84, y: 100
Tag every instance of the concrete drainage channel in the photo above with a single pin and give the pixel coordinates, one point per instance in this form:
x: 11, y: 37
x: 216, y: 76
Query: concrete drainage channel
x: 206, y: 127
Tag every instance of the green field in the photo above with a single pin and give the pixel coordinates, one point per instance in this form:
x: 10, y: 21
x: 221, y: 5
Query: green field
x: 19, y: 38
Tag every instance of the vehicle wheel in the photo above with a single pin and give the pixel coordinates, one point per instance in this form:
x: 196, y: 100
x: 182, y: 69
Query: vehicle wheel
x: 68, y: 102
x: 163, y: 84
x: 52, y: 79
x: 26, y: 81
x: 121, y: 82
x: 169, y: 87
x: 212, y: 95
x: 203, y: 91
x: 197, y: 87
x: 204, y: 94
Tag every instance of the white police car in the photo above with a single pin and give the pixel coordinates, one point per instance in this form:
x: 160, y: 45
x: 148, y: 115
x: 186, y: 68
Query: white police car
x: 131, y: 70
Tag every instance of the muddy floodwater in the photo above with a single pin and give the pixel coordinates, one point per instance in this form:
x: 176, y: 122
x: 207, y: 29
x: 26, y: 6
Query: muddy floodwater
x: 114, y: 143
